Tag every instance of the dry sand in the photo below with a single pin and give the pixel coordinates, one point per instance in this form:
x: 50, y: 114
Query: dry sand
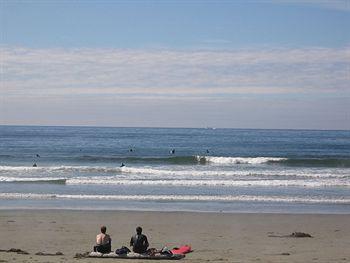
x: 215, y: 237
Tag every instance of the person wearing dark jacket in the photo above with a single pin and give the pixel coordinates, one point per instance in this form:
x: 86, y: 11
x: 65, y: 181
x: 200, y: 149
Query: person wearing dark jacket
x: 139, y: 242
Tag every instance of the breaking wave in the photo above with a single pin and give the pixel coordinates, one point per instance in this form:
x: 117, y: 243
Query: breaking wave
x: 221, y: 198
x: 63, y: 168
x: 235, y: 173
x: 33, y: 180
x: 209, y: 183
x: 217, y: 160
x: 238, y: 160
x: 299, y: 162
x: 137, y: 172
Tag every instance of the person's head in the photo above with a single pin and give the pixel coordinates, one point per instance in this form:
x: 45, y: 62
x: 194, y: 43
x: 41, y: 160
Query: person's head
x: 103, y: 229
x: 139, y: 230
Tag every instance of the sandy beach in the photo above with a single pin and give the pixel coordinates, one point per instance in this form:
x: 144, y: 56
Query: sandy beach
x: 215, y: 237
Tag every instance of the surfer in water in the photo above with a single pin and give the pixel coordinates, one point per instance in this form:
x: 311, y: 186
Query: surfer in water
x: 122, y: 165
x: 35, y: 165
x: 172, y: 151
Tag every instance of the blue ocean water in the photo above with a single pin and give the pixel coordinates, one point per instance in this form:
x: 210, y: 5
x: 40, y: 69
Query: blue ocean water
x: 227, y: 170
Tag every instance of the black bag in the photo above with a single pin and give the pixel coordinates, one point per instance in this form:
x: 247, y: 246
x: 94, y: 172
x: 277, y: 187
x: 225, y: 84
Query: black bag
x: 122, y: 251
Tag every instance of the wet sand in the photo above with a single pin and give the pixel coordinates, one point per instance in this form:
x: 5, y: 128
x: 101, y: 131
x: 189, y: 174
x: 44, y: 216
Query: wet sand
x: 215, y: 237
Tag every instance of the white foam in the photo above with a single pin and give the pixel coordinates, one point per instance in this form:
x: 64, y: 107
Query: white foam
x: 180, y: 172
x: 238, y: 160
x: 30, y: 179
x: 223, y: 183
x: 224, y: 198
x: 105, y: 169
x: 183, y: 174
x: 122, y: 180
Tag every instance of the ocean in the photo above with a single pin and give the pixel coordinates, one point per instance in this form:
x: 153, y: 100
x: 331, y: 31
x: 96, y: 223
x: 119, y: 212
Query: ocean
x: 175, y: 169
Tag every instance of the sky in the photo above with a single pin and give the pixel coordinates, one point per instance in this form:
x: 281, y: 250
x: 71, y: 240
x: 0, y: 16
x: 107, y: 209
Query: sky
x: 225, y: 64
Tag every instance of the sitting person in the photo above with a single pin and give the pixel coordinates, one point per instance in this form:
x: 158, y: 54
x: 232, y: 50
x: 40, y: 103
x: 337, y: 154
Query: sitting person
x: 103, y: 242
x: 139, y: 242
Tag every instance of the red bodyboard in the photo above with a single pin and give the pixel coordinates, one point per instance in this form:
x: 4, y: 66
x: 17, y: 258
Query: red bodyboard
x: 182, y: 250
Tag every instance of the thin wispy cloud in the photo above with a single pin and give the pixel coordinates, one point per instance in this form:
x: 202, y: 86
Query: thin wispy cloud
x: 28, y: 71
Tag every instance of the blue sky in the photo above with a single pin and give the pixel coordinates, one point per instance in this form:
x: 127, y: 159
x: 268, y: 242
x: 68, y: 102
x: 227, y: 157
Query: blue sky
x: 244, y: 64
x: 173, y: 24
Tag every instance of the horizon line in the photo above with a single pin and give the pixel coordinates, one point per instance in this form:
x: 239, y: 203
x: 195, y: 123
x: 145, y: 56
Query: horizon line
x: 172, y: 127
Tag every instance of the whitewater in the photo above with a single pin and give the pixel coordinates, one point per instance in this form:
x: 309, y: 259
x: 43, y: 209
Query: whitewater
x: 223, y: 170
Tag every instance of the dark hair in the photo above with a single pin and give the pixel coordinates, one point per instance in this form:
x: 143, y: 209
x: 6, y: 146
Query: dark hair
x: 103, y: 229
x: 138, y: 230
